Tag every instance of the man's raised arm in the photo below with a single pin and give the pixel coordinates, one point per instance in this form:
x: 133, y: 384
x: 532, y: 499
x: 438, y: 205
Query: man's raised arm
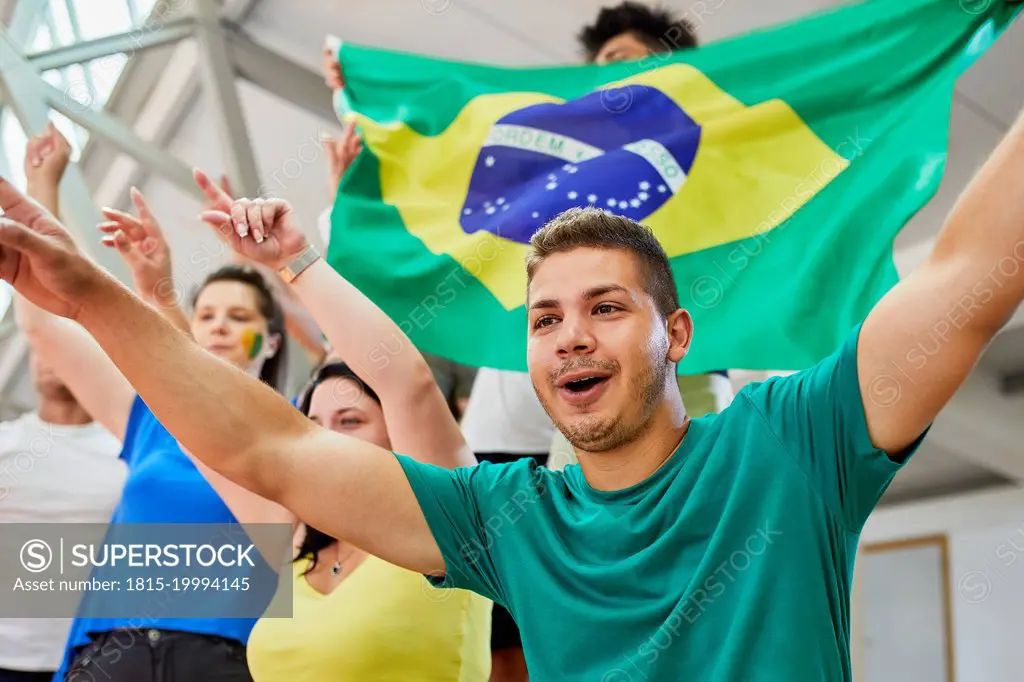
x: 969, y: 287
x: 232, y: 422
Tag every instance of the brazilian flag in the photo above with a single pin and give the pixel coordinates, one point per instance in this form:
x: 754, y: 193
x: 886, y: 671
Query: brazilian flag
x: 775, y: 168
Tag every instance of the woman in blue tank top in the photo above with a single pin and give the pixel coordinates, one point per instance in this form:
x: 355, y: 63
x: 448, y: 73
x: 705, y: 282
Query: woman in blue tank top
x: 237, y: 317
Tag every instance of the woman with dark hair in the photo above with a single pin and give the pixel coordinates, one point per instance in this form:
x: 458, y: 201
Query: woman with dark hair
x: 357, y: 617
x: 236, y: 317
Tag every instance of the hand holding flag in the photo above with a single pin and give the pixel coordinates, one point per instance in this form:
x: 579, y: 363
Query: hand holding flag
x: 341, y: 153
x: 332, y: 67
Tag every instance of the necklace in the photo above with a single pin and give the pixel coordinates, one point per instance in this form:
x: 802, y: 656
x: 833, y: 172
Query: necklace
x: 336, y: 566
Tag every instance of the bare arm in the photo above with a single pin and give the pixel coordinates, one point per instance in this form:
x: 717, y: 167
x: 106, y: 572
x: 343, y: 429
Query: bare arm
x: 232, y: 422
x: 419, y: 420
x: 244, y: 430
x: 75, y: 357
x: 247, y: 506
x: 80, y: 363
x: 969, y: 287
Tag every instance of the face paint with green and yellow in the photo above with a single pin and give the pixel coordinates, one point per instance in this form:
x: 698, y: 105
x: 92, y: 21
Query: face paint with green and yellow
x: 252, y: 342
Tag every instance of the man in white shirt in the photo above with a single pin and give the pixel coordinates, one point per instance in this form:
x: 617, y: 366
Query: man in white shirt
x: 56, y: 466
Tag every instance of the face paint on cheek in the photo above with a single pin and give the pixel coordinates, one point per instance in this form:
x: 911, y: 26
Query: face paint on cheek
x: 252, y: 341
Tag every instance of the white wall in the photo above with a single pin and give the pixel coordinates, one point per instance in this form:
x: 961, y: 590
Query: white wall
x: 985, y: 533
x: 987, y: 569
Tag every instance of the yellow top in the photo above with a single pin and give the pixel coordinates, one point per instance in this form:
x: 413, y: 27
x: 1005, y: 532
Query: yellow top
x: 382, y: 623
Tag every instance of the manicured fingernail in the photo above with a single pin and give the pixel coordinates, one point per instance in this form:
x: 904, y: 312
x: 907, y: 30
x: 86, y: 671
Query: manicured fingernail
x: 241, y: 228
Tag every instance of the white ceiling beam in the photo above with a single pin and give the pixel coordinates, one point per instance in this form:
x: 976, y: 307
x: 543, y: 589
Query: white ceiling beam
x: 25, y: 93
x: 281, y: 76
x: 218, y: 75
x: 129, y: 43
x: 174, y: 93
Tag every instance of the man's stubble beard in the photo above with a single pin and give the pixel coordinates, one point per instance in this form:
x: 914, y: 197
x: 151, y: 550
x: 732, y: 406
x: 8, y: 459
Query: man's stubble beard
x: 597, y: 434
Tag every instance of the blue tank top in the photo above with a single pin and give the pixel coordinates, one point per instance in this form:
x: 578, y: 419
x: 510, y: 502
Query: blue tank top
x: 163, y: 486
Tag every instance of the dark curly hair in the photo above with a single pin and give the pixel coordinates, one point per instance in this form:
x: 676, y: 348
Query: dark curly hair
x: 657, y: 28
x: 275, y: 369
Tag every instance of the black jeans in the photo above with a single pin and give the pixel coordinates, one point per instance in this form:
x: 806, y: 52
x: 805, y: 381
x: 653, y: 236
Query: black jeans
x: 21, y: 676
x: 160, y: 656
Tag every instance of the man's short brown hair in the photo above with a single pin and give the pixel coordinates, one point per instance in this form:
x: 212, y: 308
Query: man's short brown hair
x: 598, y: 229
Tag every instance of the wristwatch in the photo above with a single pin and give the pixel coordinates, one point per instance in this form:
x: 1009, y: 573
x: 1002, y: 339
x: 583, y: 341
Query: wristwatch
x: 308, y: 256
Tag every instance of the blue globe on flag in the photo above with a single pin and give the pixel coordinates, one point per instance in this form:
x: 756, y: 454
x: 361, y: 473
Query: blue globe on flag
x: 546, y: 158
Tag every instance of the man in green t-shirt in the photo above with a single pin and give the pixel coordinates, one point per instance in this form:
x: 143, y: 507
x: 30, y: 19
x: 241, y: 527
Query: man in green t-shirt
x: 717, y: 549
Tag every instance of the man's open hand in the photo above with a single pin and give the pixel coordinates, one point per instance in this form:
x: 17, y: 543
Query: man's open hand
x: 39, y: 258
x: 141, y: 243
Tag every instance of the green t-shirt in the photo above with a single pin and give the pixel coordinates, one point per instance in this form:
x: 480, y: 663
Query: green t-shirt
x: 733, y: 562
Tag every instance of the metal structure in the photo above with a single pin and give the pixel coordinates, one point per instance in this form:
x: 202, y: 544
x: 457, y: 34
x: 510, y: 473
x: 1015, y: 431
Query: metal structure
x: 226, y: 53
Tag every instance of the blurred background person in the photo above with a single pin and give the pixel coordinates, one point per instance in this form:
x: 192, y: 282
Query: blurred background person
x: 632, y: 31
x: 57, y: 465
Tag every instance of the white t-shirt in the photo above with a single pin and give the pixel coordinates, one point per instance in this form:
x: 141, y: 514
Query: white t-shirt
x: 504, y: 415
x: 52, y: 473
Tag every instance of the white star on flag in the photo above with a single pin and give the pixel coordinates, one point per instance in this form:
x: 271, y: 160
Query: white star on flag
x: 489, y: 161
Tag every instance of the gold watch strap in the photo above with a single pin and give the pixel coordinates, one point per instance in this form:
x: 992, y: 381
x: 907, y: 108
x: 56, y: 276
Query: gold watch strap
x: 308, y: 256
